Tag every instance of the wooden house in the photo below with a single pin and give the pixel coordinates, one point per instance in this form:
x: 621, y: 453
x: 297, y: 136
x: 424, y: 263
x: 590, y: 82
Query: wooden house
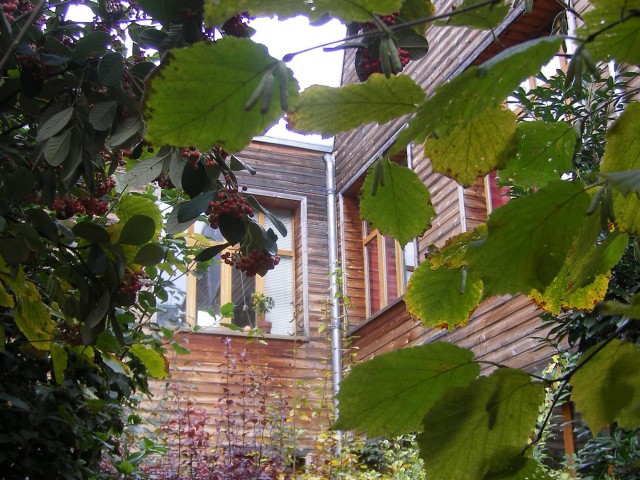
x: 311, y: 186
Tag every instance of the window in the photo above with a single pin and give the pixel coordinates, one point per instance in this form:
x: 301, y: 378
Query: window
x: 388, y: 268
x: 265, y: 302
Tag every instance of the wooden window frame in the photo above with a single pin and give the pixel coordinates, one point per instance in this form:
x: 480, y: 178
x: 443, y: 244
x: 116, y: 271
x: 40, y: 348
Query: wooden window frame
x: 226, y: 277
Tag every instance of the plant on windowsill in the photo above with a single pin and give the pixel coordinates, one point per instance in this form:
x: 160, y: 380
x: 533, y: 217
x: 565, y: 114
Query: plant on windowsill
x: 262, y: 304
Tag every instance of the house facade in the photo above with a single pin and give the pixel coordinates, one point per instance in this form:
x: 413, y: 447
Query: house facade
x: 310, y: 335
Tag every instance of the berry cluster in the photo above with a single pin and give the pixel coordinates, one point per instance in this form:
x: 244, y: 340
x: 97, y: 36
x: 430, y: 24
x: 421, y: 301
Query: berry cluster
x: 255, y: 262
x: 32, y: 64
x: 67, y: 206
x: 367, y: 64
x: 14, y: 8
x: 237, y: 25
x: 103, y: 186
x: 208, y: 158
x: 230, y: 202
x: 132, y: 282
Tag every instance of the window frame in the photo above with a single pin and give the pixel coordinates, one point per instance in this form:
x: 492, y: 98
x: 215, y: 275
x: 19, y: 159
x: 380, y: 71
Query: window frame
x: 297, y: 205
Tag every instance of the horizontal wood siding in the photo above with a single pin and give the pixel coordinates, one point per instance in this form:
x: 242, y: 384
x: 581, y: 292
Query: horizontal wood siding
x: 297, y: 367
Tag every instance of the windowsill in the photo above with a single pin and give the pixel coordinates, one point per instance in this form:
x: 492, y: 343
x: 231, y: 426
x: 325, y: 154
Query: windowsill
x: 226, y: 332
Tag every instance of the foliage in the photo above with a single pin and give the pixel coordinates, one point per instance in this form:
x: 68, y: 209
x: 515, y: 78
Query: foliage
x: 81, y: 264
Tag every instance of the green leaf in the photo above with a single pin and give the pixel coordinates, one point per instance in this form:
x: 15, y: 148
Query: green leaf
x: 356, y: 10
x: 401, y: 207
x: 91, y: 44
x: 57, y: 148
x: 145, y: 171
x: 155, y: 363
x: 138, y: 230
x: 529, y: 239
x: 99, y: 312
x: 14, y: 251
x: 210, y: 252
x: 414, y: 43
x: 92, y: 232
x: 216, y: 12
x: 131, y: 205
x: 416, y: 9
x: 150, y: 254
x: 194, y: 180
x: 544, y: 153
x: 622, y: 153
x: 390, y: 394
x: 622, y: 41
x: 174, y: 226
x: 626, y: 182
x: 191, y: 209
x: 520, y: 469
x: 110, y: 69
x: 226, y: 310
x: 485, y: 17
x: 629, y: 310
x: 478, y: 89
x: 102, y: 114
x: 165, y: 11
x: 179, y: 349
x: 481, y: 427
x: 54, y: 124
x: 436, y: 297
x: 328, y: 110
x: 474, y: 148
x: 606, y: 388
x: 197, y: 95
x: 59, y: 361
x: 584, y: 277
x: 127, y: 129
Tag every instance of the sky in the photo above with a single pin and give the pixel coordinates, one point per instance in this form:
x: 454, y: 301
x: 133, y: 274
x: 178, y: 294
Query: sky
x: 283, y: 37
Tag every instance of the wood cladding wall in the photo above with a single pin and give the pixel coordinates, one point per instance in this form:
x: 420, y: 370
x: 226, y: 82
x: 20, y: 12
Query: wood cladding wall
x: 296, y: 365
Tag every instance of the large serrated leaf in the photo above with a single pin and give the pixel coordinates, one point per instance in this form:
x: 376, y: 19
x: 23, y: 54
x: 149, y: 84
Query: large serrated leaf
x: 480, y: 16
x: 401, y: 207
x: 621, y: 42
x: 475, y: 148
x: 622, y: 153
x: 544, y: 151
x: 390, y: 394
x: 480, y: 427
x: 520, y: 468
x: 529, y: 239
x: 216, y: 12
x: 138, y: 230
x: 329, y: 110
x: 438, y: 297
x: 606, y: 388
x: 197, y: 95
x: 478, y: 89
x: 356, y: 10
x: 131, y: 205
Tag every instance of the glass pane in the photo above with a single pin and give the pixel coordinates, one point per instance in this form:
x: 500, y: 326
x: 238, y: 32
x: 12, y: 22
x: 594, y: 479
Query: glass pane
x: 372, y: 276
x: 409, y: 259
x: 285, y: 216
x: 278, y: 285
x: 242, y: 289
x: 174, y: 309
x: 391, y: 273
x: 208, y: 296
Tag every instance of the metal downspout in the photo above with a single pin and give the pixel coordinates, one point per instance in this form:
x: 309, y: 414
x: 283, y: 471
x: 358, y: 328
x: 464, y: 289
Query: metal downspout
x: 334, y: 308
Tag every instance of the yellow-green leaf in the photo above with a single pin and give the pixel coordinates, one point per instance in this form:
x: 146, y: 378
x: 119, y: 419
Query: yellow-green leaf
x: 216, y: 12
x: 6, y: 299
x: 390, y: 394
x: 484, y: 16
x: 606, y: 388
x: 197, y: 95
x: 481, y: 427
x: 328, y: 110
x: 401, y: 207
x: 622, y: 153
x: 442, y: 297
x: 529, y: 239
x: 620, y: 42
x: 474, y: 148
x: 132, y: 205
x: 59, y: 361
x: 155, y: 363
x: 478, y: 89
x: 355, y: 10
